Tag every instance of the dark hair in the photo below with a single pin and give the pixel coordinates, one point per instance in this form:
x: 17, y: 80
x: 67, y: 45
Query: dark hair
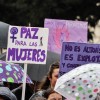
x: 38, y: 98
x: 4, y: 97
x: 46, y: 82
x: 48, y: 92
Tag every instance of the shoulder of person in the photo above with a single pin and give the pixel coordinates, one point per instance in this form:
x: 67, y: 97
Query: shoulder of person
x: 39, y: 93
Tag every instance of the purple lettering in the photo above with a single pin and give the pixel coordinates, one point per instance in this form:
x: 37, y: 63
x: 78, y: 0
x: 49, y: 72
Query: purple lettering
x: 34, y: 55
x: 88, y: 58
x: 38, y: 55
x: 43, y: 55
x: 23, y: 31
x: 16, y: 54
x: 28, y: 33
x: 11, y: 53
x: 72, y: 65
x: 68, y: 48
x: 24, y: 53
x: 23, y: 43
x: 29, y: 54
x: 63, y: 64
x: 77, y: 48
x: 35, y: 32
x: 66, y: 57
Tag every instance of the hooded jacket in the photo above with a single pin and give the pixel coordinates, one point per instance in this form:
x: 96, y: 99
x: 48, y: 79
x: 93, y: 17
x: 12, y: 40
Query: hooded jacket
x: 5, y: 91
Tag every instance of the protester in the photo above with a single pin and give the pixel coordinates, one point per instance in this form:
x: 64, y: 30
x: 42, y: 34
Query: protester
x: 18, y: 91
x: 51, y: 78
x: 50, y: 94
x: 48, y: 81
x: 6, y: 94
x: 38, y: 98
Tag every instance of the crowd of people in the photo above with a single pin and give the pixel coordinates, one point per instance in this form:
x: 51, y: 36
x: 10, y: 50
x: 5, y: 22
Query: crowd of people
x: 48, y: 82
x: 45, y: 88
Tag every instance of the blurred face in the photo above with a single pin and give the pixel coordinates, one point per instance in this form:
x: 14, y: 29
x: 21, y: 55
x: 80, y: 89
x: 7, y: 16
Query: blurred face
x: 54, y: 77
x: 55, y: 96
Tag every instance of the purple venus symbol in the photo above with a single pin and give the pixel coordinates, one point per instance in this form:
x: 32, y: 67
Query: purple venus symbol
x: 13, y: 31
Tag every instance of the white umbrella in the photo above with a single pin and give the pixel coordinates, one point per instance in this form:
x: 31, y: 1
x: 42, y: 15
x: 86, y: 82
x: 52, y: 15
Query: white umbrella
x: 81, y: 83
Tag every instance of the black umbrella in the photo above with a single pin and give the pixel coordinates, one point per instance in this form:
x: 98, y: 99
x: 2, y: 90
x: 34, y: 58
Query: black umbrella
x: 37, y: 71
x: 3, y: 34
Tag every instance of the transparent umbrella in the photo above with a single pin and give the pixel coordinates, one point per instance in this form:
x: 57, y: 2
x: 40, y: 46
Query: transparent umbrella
x: 81, y: 83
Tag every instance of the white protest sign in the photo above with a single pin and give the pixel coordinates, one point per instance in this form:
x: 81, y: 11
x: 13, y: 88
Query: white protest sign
x: 27, y: 45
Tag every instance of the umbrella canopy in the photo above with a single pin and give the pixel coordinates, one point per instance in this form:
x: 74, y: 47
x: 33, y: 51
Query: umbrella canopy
x: 37, y: 71
x: 82, y: 83
x: 12, y: 73
x: 3, y: 34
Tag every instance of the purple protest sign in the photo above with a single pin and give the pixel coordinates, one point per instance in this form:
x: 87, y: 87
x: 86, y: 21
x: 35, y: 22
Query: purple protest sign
x: 76, y: 54
x: 65, y: 31
x: 27, y: 45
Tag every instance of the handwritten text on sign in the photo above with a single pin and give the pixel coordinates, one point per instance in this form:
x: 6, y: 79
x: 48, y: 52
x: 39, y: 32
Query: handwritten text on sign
x: 27, y: 44
x: 76, y: 54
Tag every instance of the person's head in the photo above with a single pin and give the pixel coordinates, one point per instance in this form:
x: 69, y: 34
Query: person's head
x: 3, y: 97
x: 6, y: 94
x: 50, y: 94
x: 38, y: 98
x: 51, y: 78
x: 53, y: 73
